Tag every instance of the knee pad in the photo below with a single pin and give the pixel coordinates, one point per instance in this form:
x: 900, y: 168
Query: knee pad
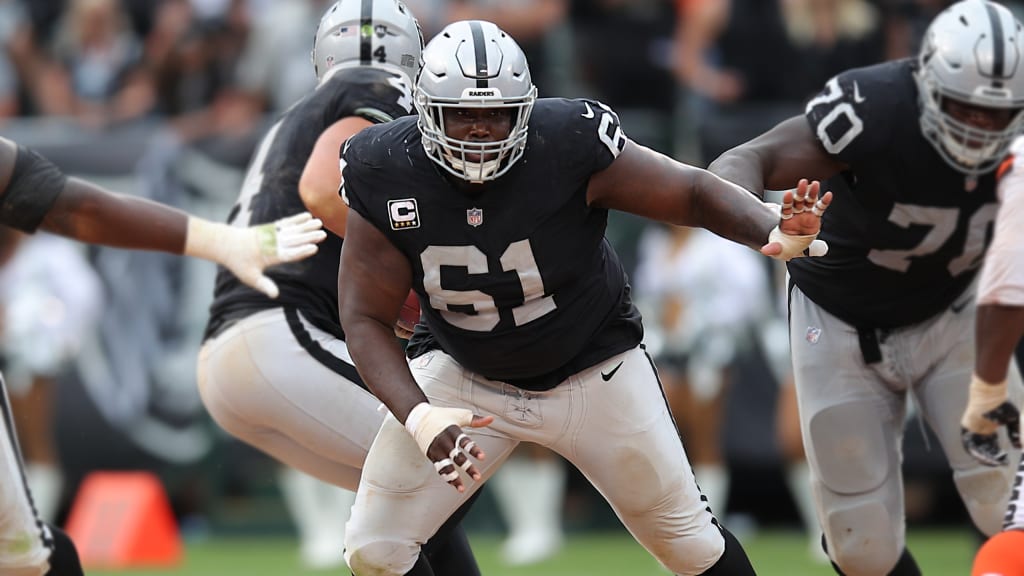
x: 984, y: 491
x: 851, y: 458
x: 854, y: 462
x: 861, y: 539
x: 382, y: 558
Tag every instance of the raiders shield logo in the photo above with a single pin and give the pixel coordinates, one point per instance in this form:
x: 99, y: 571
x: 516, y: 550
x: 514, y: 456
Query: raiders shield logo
x: 474, y: 217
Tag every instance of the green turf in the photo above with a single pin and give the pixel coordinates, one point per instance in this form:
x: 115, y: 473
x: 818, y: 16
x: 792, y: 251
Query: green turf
x: 939, y: 553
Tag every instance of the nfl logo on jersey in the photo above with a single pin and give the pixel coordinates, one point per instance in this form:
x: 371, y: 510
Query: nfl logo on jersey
x: 813, y: 334
x: 474, y: 217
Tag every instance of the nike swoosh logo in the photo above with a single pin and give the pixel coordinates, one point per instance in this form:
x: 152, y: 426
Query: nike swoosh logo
x: 856, y: 93
x: 590, y: 111
x: 608, y: 376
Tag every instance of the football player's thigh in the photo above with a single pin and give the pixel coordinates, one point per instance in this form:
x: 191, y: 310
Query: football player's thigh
x: 22, y: 551
x: 260, y: 384
x: 626, y: 444
x: 852, y: 426
x: 402, y: 500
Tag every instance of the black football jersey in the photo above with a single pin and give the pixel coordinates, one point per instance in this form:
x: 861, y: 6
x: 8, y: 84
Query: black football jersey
x: 517, y: 282
x: 271, y: 191
x: 906, y: 231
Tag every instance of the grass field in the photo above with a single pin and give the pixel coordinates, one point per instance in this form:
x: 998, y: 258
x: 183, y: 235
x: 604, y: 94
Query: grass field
x: 939, y: 553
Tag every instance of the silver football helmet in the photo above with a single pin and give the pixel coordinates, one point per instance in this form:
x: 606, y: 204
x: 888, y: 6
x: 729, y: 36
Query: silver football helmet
x: 473, y: 64
x: 379, y: 33
x: 971, y: 52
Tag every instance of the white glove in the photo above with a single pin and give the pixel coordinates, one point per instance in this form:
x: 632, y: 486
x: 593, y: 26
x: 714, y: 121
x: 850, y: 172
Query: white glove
x: 425, y: 422
x: 247, y: 252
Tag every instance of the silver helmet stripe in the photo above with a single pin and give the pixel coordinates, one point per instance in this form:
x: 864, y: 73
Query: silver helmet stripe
x: 480, y: 49
x: 998, y: 46
x: 366, y: 33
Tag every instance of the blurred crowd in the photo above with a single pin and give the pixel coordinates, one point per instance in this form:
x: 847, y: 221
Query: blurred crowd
x: 213, y: 66
x: 690, y: 78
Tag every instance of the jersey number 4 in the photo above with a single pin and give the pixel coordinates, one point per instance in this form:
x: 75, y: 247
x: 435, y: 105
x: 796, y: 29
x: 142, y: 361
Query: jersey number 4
x: 517, y: 257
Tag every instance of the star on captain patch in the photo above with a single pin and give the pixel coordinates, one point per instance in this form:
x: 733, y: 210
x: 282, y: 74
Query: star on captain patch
x: 474, y: 217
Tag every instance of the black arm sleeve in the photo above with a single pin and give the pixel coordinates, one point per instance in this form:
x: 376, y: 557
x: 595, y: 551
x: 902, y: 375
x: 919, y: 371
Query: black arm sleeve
x: 33, y: 189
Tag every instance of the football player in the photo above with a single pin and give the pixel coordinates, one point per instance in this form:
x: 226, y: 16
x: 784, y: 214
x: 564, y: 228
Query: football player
x: 999, y: 327
x: 276, y: 373
x: 34, y: 194
x: 910, y: 148
x: 492, y: 205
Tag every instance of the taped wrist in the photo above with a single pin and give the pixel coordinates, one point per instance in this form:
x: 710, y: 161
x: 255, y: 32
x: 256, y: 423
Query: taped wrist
x: 426, y: 422
x: 984, y: 397
x: 32, y: 190
x: 793, y: 245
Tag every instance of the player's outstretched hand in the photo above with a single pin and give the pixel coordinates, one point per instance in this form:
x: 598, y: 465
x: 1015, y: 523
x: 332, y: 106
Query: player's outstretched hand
x: 438, y: 432
x: 987, y: 411
x: 247, y: 252
x: 799, y: 223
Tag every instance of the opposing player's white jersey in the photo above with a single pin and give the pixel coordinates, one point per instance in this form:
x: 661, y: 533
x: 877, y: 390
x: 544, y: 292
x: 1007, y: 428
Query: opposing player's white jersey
x: 1002, y: 277
x: 25, y: 542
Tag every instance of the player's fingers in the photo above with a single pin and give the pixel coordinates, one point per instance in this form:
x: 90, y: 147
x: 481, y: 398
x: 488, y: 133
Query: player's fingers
x: 294, y: 219
x: 481, y: 421
x: 293, y: 254
x: 467, y: 445
x: 771, y: 249
x: 303, y: 238
x: 267, y: 286
x: 446, y: 469
x: 786, y: 212
x: 800, y: 197
x: 817, y: 248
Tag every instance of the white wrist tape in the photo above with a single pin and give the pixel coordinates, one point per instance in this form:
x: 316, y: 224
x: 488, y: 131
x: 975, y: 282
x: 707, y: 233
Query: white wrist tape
x: 984, y: 397
x: 425, y: 422
x: 793, y: 245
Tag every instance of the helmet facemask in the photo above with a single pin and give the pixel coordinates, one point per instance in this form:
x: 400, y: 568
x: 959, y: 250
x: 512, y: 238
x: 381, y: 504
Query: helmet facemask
x: 497, y: 157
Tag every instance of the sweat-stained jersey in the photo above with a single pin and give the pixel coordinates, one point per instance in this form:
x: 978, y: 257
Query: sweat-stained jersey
x: 906, y: 231
x: 516, y: 282
x: 271, y: 191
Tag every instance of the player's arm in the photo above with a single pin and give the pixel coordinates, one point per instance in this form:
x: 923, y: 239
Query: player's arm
x: 321, y: 177
x: 647, y: 183
x: 373, y: 281
x: 999, y: 325
x: 998, y: 330
x: 84, y: 211
x: 777, y: 159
